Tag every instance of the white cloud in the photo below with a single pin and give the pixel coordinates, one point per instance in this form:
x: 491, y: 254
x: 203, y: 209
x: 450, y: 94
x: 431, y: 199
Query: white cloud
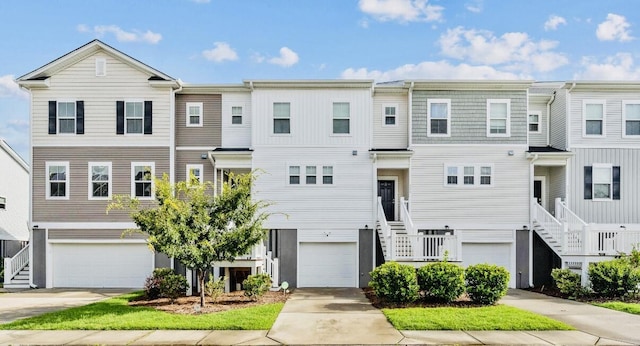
x: 431, y: 70
x: 615, y: 28
x: 402, y: 10
x: 9, y: 88
x: 617, y: 67
x: 553, y: 22
x: 122, y: 35
x: 512, y: 50
x: 474, y: 6
x: 287, y: 58
x: 257, y: 58
x: 220, y: 53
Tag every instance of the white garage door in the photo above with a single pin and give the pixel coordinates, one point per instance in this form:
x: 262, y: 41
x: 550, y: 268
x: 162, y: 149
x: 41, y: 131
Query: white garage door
x: 327, y: 265
x: 101, y: 265
x: 492, y: 253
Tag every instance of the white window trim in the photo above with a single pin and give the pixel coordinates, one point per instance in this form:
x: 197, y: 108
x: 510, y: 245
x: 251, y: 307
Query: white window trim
x: 477, y: 168
x: 273, y: 119
x: 75, y: 117
x: 319, y: 174
x: 90, y: 180
x: 508, y: 132
x: 188, y: 173
x: 126, y: 124
x: 242, y: 107
x: 584, y: 118
x: 624, y: 117
x: 384, y: 115
x: 48, y: 164
x: 348, y: 134
x: 429, y: 102
x: 101, y: 66
x: 200, y: 116
x: 539, y: 114
x: 300, y: 175
x: 133, y: 182
x: 593, y: 182
x: 333, y: 175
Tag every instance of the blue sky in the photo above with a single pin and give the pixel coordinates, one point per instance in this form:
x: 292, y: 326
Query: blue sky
x: 215, y: 41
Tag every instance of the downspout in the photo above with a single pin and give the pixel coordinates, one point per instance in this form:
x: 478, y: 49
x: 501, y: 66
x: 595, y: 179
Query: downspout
x: 553, y: 97
x: 172, y: 135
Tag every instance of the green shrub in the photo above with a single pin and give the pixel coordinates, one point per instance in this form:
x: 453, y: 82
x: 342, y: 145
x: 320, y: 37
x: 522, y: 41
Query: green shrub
x: 615, y: 278
x: 256, y: 285
x: 443, y: 281
x: 153, y: 282
x: 214, y: 288
x: 568, y: 282
x: 173, y: 286
x: 486, y: 283
x: 395, y: 282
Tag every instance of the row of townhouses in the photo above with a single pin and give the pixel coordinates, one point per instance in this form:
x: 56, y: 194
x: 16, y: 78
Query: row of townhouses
x: 523, y: 174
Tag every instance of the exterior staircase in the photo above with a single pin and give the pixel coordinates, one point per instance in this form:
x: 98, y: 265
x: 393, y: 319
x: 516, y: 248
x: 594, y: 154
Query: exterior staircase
x: 16, y: 270
x: 397, y: 227
x: 20, y: 280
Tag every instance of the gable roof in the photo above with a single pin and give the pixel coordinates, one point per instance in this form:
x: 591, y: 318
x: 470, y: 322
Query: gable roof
x: 44, y: 72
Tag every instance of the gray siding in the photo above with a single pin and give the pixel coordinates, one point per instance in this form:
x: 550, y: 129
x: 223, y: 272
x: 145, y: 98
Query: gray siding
x: 39, y: 250
x: 94, y: 234
x: 365, y: 241
x: 620, y: 211
x: 522, y: 258
x: 192, y: 157
x: 558, y: 121
x: 469, y: 117
x: 539, y: 138
x: 288, y: 256
x: 78, y: 207
x: 209, y: 135
x: 557, y: 185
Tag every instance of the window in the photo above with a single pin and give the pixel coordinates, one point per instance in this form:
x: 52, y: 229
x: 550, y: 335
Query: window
x: 101, y: 67
x: 534, y: 123
x: 281, y: 117
x: 99, y: 180
x: 142, y: 179
x: 438, y: 117
x: 194, y: 114
x: 485, y: 175
x: 194, y: 174
x: 310, y: 177
x: 327, y: 175
x: 57, y: 180
x: 294, y: 175
x: 593, y: 115
x: 602, y: 182
x: 498, y: 118
x: 631, y: 116
x: 66, y: 117
x: 3, y: 203
x: 470, y: 175
x: 452, y: 175
x: 236, y: 115
x: 134, y: 116
x: 341, y: 118
x: 389, y: 115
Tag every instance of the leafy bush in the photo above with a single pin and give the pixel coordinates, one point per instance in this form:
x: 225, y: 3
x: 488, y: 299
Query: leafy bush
x: 153, y: 282
x: 615, y: 278
x: 568, y: 282
x: 173, y: 286
x: 214, y: 288
x: 486, y: 283
x: 256, y: 285
x: 395, y: 282
x: 441, y: 280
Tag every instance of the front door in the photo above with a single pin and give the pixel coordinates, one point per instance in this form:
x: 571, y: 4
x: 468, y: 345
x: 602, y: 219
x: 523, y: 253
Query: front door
x: 539, y: 190
x: 387, y: 192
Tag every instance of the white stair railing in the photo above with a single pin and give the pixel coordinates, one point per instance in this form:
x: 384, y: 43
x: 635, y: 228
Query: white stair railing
x: 564, y: 214
x: 549, y: 223
x: 405, y: 217
x: 385, y: 228
x: 13, y: 265
x: 271, y: 268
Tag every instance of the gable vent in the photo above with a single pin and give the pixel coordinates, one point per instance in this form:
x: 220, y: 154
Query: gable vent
x: 101, y: 67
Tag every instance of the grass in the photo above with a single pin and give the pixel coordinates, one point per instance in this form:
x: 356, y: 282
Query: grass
x: 497, y: 317
x: 116, y: 314
x: 632, y: 308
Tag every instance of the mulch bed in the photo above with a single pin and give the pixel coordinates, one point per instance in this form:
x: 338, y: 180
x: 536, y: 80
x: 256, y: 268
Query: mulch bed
x: 423, y: 302
x: 191, y: 305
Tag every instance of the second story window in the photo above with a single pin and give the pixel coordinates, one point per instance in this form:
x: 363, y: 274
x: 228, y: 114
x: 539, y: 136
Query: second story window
x: 631, y: 116
x: 469, y: 175
x: 99, y: 180
x: 452, y: 175
x: 294, y: 175
x: 327, y: 175
x: 281, y: 117
x: 66, y: 117
x: 57, y: 180
x: 534, y: 122
x: 341, y: 114
x: 134, y: 117
x: 194, y: 114
x: 142, y: 180
x: 389, y: 115
x: 439, y: 117
x: 310, y: 177
x: 3, y: 202
x: 498, y: 118
x: 236, y: 115
x: 593, y: 116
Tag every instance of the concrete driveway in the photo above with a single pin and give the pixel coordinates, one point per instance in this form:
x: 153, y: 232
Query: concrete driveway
x: 29, y: 303
x: 332, y: 316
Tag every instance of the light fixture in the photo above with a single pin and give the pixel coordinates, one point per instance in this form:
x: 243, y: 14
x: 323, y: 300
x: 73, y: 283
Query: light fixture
x: 525, y: 227
x: 446, y: 227
x: 510, y: 153
x: 203, y: 156
x: 354, y: 153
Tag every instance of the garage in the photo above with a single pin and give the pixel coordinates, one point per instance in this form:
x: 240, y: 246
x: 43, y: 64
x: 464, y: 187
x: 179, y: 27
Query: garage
x: 492, y: 253
x: 122, y: 265
x: 330, y: 264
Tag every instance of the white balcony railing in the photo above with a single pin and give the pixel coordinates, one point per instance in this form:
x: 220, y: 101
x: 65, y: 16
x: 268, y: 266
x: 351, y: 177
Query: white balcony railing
x: 429, y: 247
x: 13, y: 265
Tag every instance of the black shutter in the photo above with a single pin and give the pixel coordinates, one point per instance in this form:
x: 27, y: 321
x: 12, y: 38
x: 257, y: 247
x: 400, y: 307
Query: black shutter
x: 80, y: 117
x: 119, y: 117
x: 587, y: 182
x: 53, y: 109
x: 148, y: 118
x: 616, y: 182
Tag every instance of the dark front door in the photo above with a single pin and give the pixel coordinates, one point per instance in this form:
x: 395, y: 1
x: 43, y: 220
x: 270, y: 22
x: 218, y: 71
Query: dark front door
x: 537, y: 191
x: 386, y: 190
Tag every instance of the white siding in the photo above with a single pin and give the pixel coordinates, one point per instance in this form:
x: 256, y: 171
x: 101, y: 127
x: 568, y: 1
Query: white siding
x: 385, y: 136
x: 236, y: 136
x: 122, y: 82
x: 311, y: 117
x: 14, y: 186
x: 539, y: 139
x: 558, y: 121
x: 505, y: 205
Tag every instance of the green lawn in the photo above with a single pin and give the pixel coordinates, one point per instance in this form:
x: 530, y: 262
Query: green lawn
x: 115, y: 314
x: 498, y: 317
x: 632, y: 308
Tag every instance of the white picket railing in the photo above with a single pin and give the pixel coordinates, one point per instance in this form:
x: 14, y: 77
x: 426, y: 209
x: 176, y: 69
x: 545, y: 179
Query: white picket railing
x: 547, y: 221
x: 430, y: 247
x: 271, y: 268
x: 565, y: 215
x: 382, y: 219
x: 13, y: 265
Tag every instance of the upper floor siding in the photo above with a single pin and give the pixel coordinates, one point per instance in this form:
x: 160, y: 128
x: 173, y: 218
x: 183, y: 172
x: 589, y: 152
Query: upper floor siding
x: 236, y: 119
x: 122, y: 82
x: 203, y: 126
x: 558, y: 120
x: 390, y: 121
x: 538, y: 130
x: 309, y: 116
x: 468, y: 116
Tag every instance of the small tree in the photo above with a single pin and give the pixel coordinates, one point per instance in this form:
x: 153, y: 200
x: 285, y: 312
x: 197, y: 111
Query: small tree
x: 197, y: 228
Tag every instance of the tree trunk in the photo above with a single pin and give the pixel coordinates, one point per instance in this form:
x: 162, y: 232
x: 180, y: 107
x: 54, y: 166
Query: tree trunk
x: 201, y: 281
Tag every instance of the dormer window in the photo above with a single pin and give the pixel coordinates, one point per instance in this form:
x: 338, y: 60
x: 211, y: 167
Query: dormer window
x: 101, y: 67
x: 3, y: 202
